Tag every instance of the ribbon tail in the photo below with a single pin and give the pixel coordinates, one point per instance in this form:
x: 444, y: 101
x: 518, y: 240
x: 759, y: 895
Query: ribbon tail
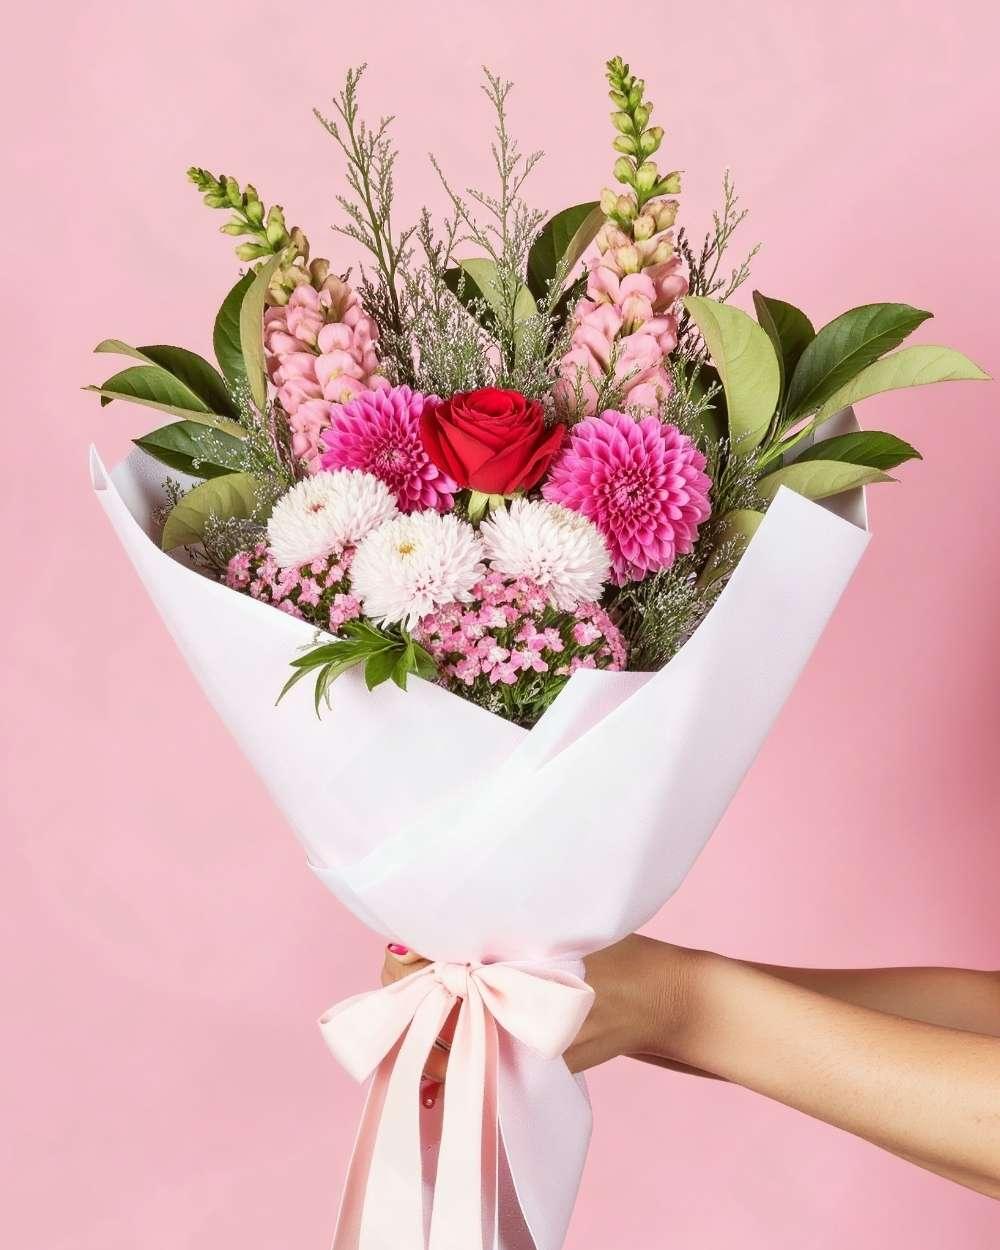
x: 348, y: 1231
x: 457, y: 1216
x: 391, y: 1215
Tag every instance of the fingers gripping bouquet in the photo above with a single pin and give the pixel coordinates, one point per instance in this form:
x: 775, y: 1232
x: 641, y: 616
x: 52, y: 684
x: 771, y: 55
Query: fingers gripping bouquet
x: 552, y: 527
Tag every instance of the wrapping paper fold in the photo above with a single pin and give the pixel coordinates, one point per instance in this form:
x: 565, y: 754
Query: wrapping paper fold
x: 477, y: 842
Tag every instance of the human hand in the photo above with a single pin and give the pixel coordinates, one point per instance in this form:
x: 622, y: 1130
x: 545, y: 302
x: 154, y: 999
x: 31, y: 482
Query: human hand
x: 641, y: 994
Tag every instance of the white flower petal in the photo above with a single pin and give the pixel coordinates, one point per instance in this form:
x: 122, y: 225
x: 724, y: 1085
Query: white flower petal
x: 325, y: 513
x: 561, y: 550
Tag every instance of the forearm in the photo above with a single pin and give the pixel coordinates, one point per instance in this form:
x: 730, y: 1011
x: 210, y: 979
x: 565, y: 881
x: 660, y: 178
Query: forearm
x: 956, y: 998
x: 929, y: 1093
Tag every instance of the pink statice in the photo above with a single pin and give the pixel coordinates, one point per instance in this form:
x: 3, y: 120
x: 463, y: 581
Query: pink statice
x: 318, y: 592
x: 641, y: 482
x: 379, y: 431
x: 511, y: 648
x: 321, y: 350
x: 625, y: 327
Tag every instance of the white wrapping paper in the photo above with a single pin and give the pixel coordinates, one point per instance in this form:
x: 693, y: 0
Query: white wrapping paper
x: 472, y: 840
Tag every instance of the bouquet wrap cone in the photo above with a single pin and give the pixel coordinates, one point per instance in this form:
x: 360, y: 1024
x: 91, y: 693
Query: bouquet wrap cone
x: 479, y: 843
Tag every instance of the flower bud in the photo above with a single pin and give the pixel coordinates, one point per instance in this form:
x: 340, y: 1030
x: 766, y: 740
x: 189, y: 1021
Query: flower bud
x: 233, y: 193
x: 319, y: 271
x: 618, y: 100
x: 670, y: 185
x: 637, y: 89
x: 255, y: 211
x: 252, y: 251
x: 233, y: 228
x: 664, y: 213
x: 275, y: 229
x: 641, y: 115
x: 623, y: 170
x: 611, y: 235
x: 646, y: 176
x: 215, y: 201
x: 625, y: 207
x: 627, y: 259
x: 662, y: 252
x: 622, y: 122
x: 651, y: 140
x: 626, y: 144
x: 299, y: 243
x: 644, y: 227
x: 609, y: 201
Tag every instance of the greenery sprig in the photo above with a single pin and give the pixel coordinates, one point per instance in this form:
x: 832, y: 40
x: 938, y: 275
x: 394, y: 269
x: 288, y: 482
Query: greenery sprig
x: 386, y: 655
x: 265, y: 228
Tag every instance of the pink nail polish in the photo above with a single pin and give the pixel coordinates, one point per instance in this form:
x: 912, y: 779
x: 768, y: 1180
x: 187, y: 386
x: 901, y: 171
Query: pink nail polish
x: 396, y: 949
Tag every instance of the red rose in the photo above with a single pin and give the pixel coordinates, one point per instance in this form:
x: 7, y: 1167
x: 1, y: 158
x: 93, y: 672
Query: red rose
x: 490, y: 440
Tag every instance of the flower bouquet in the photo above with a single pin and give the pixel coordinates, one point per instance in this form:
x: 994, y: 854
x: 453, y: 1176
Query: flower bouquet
x: 553, y: 527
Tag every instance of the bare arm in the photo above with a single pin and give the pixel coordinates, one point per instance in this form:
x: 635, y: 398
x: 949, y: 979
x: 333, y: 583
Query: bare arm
x: 833, y: 1044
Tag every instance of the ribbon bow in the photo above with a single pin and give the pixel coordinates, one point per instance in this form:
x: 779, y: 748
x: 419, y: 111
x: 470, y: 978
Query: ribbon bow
x: 390, y: 1032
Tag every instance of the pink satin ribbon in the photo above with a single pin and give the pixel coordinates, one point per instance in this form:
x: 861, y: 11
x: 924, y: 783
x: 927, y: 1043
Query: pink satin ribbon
x: 389, y: 1032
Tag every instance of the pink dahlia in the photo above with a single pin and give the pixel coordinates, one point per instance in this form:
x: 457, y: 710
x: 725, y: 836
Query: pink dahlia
x: 643, y: 485
x: 379, y: 431
x: 320, y: 351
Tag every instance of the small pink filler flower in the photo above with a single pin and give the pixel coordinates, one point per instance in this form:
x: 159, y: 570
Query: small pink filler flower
x: 379, y: 431
x: 643, y: 485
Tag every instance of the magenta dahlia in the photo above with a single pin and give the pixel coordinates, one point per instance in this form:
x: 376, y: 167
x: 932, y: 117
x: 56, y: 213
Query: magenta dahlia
x: 379, y: 431
x: 641, y: 482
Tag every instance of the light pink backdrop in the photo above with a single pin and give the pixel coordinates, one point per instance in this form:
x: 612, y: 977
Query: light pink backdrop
x: 164, y: 949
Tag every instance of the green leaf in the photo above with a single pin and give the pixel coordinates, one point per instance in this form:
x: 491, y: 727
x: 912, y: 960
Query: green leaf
x: 206, y: 390
x: 788, y: 328
x: 423, y: 663
x: 403, y: 666
x: 818, y: 479
x: 481, y: 286
x: 226, y: 333
x: 568, y: 234
x: 191, y: 448
x: 234, y: 495
x: 155, y: 388
x: 911, y: 366
x: 701, y: 378
x: 843, y: 348
x: 252, y: 331
x: 869, y: 447
x: 747, y: 365
x: 380, y: 665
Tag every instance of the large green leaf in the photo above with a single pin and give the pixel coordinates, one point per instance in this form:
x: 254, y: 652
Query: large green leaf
x: 155, y: 388
x: 788, y: 328
x: 747, y: 365
x: 911, y: 366
x: 568, y: 234
x: 226, y: 333
x: 252, y: 331
x: 207, y: 391
x: 843, y: 348
x: 870, y: 447
x: 475, y: 283
x: 234, y: 495
x: 193, y: 448
x: 817, y: 479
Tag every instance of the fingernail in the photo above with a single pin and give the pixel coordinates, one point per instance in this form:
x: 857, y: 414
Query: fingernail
x: 394, y: 948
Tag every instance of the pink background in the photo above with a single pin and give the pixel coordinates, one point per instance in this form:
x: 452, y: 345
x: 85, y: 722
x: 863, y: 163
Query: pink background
x: 165, y: 952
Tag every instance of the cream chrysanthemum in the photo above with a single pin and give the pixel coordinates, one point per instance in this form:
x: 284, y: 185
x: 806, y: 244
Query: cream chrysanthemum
x: 414, y: 564
x: 326, y: 513
x: 560, y: 550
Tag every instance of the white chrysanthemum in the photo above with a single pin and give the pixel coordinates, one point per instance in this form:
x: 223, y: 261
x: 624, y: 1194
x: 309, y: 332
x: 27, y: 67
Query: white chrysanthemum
x: 414, y: 564
x: 559, y: 549
x: 325, y: 513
